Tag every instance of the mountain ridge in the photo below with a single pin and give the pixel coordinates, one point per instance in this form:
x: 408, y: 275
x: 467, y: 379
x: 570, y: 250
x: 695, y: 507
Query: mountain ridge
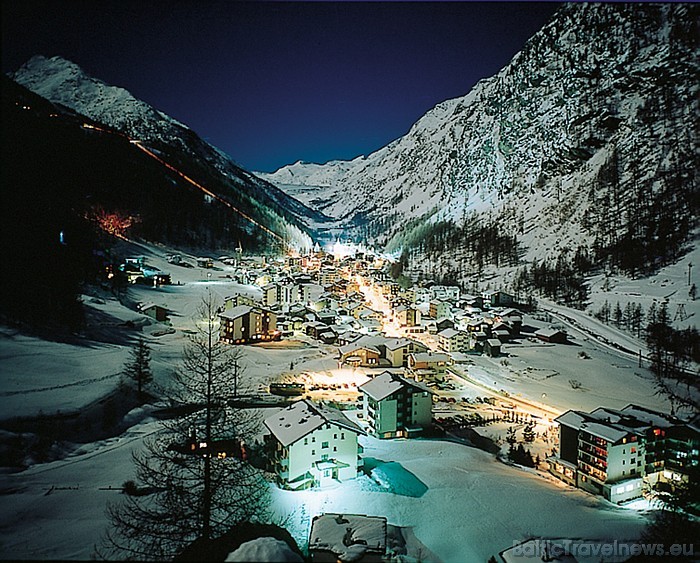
x: 574, y: 143
x: 64, y: 82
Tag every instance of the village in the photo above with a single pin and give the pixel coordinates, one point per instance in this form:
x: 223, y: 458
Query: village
x: 412, y: 363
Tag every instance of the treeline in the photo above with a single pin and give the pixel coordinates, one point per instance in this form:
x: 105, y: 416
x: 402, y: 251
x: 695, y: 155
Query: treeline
x: 563, y: 279
x: 674, y: 356
x: 641, y: 221
x: 475, y: 243
x: 673, y: 353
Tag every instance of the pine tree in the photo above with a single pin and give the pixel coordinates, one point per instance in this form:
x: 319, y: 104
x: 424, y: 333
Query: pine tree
x: 617, y: 315
x: 197, y: 493
x: 138, y: 368
x: 529, y: 433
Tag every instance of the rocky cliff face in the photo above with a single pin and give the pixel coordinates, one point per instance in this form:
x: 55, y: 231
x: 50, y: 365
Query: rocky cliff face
x: 587, y: 138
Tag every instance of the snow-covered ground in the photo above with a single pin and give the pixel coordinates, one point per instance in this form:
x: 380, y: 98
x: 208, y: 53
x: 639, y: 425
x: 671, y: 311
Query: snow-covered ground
x: 472, y: 506
x: 461, y: 504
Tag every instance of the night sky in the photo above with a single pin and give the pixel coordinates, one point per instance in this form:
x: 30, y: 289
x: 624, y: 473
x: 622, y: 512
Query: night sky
x: 274, y: 82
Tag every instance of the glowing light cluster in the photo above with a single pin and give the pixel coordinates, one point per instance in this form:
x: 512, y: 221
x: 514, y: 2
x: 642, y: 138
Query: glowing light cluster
x: 112, y: 222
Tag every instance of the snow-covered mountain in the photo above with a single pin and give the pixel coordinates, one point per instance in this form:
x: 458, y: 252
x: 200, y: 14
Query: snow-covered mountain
x: 63, y: 82
x: 587, y: 138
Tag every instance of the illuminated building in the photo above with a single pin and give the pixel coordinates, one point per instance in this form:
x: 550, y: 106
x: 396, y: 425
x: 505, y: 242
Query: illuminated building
x: 614, y: 453
x: 395, y: 406
x: 312, y: 445
x: 245, y: 324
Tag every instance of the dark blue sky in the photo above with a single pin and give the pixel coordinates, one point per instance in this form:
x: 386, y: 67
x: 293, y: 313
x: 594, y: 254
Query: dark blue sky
x: 274, y: 82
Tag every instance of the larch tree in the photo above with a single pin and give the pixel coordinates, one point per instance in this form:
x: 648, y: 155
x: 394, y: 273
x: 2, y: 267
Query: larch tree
x: 193, y: 479
x: 138, y: 367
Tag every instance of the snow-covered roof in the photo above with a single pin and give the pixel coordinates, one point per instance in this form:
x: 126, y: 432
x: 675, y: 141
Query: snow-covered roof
x: 448, y: 333
x: 348, y: 536
x: 354, y: 346
x: 612, y: 424
x: 236, y: 312
x: 493, y: 342
x: 264, y: 549
x: 387, y: 383
x: 649, y: 416
x: 303, y: 417
x: 605, y: 431
x: 430, y: 357
x: 548, y: 332
x: 572, y: 419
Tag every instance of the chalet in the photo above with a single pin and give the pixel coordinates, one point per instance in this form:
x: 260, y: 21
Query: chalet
x: 156, y: 312
x: 552, y: 335
x: 379, y: 351
x: 451, y: 340
x: 359, y: 354
x: 315, y: 329
x: 514, y: 318
x: 369, y: 326
x: 311, y: 445
x: 326, y: 317
x: 397, y: 350
x: 428, y: 365
x: 502, y: 335
x: 348, y: 537
x: 205, y: 262
x: 347, y: 337
x: 329, y: 336
x: 245, y: 324
x: 395, y: 406
x: 475, y: 302
x: 479, y: 324
x: 492, y: 347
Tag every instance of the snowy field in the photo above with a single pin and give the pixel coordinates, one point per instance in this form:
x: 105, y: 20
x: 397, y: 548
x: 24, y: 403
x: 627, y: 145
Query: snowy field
x: 472, y: 506
x: 460, y: 503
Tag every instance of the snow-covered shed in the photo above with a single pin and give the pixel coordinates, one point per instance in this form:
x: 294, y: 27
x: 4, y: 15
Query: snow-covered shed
x: 348, y: 537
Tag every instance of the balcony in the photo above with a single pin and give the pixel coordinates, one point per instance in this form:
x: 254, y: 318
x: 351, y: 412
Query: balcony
x: 594, y: 462
x: 592, y: 450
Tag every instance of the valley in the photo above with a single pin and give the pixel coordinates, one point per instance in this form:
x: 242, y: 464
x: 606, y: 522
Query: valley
x: 479, y: 337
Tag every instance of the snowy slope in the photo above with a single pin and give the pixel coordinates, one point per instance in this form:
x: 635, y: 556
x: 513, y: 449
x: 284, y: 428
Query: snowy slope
x: 599, y: 105
x: 64, y: 82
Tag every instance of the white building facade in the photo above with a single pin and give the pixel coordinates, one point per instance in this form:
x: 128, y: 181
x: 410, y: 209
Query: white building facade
x: 312, y: 446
